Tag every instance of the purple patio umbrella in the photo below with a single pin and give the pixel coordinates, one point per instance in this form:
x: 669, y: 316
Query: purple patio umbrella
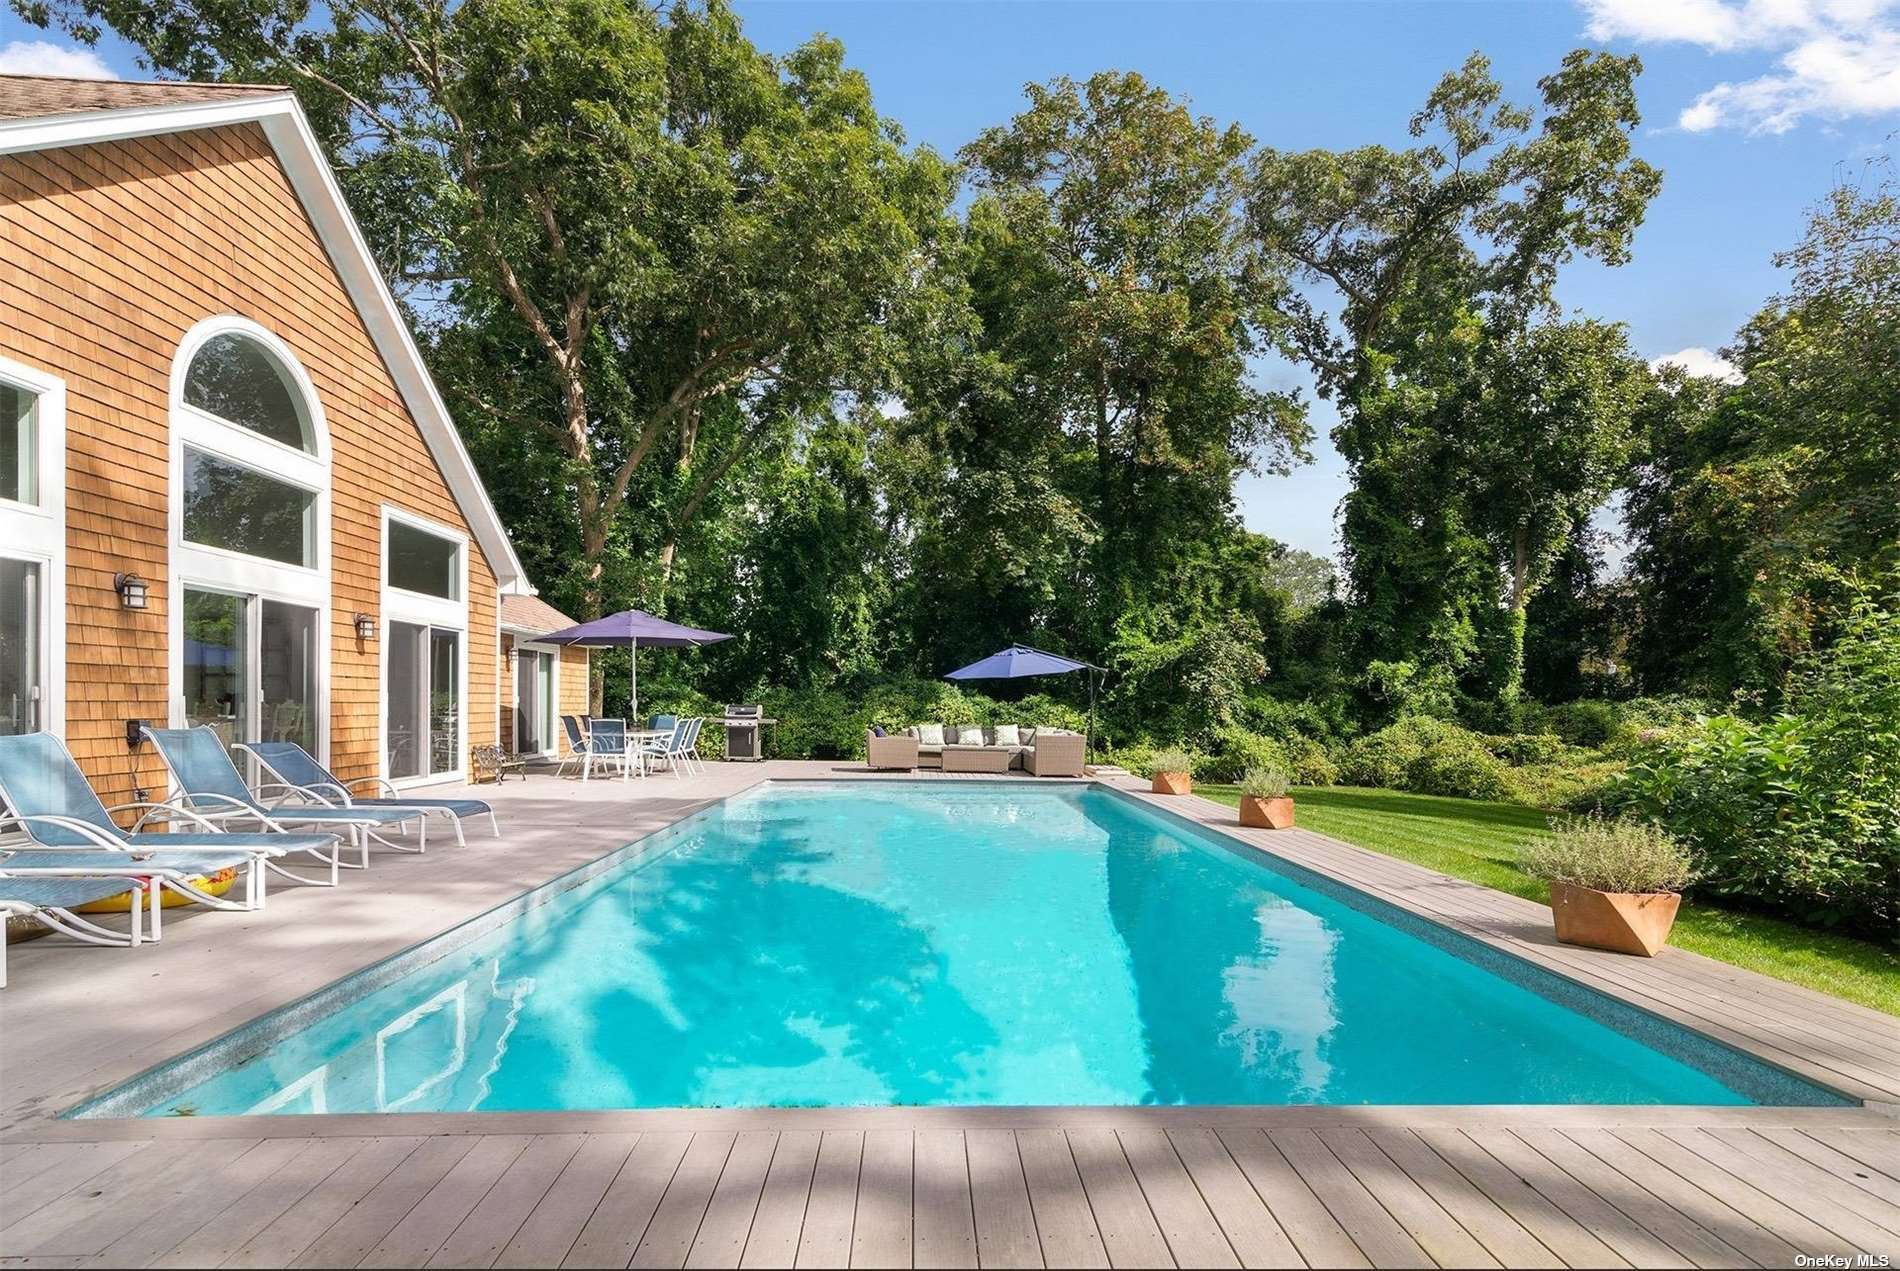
x: 1019, y: 660
x: 631, y: 628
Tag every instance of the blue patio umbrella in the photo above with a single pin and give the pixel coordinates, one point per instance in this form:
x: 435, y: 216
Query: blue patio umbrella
x: 629, y: 629
x: 1019, y: 660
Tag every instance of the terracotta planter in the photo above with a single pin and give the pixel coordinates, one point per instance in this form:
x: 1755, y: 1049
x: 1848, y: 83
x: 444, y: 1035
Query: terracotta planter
x: 1173, y: 783
x: 1267, y: 814
x: 1622, y: 922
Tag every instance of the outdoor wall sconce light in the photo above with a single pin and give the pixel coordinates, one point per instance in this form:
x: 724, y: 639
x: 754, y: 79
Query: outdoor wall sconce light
x: 365, y: 627
x: 133, y: 590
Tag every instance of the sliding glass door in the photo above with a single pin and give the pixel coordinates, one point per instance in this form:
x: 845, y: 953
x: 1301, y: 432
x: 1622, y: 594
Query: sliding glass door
x: 250, y: 667
x: 534, y: 702
x: 423, y: 701
x: 20, y: 654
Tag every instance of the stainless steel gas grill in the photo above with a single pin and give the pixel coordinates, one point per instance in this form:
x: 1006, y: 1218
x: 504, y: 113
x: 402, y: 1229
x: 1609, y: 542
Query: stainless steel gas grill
x: 745, y: 726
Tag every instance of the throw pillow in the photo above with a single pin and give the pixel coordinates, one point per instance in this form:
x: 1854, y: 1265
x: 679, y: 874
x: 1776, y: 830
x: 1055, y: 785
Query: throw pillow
x: 969, y: 734
x: 930, y: 734
x: 877, y: 730
x: 1007, y: 735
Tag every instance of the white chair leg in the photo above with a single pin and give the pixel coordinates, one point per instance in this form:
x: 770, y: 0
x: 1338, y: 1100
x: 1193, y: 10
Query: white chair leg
x: 494, y: 824
x: 155, y: 895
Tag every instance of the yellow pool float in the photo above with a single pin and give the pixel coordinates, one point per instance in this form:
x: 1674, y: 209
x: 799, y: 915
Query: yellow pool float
x: 210, y: 884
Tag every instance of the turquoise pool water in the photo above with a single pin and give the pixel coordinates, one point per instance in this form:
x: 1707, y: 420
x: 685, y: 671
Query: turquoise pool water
x: 945, y: 943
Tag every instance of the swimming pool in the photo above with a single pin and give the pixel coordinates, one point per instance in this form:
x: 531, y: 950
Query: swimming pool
x: 851, y: 943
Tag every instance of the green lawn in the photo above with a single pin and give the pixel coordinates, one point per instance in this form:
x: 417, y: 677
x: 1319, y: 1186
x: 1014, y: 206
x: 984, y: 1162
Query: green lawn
x: 1478, y: 841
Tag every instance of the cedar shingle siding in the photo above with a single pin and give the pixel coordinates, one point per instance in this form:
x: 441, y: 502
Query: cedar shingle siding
x: 109, y: 253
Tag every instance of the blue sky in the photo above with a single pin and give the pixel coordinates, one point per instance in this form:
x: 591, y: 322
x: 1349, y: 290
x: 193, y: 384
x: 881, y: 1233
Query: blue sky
x: 1752, y: 109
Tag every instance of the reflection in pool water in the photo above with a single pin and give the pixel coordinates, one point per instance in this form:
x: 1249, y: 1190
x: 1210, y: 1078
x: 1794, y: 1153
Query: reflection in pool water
x: 957, y: 943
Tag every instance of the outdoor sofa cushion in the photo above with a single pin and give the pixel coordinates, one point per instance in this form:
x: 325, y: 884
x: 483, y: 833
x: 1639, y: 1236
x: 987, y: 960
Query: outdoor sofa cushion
x: 929, y: 734
x: 1006, y: 735
x: 971, y: 735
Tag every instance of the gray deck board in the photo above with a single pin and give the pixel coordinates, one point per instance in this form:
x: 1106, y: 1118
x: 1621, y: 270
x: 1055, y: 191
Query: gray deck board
x: 953, y: 1187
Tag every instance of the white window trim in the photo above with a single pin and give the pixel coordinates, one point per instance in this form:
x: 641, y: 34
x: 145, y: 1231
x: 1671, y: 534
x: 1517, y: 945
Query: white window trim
x: 401, y: 605
x: 524, y: 645
x: 36, y: 532
x: 202, y: 568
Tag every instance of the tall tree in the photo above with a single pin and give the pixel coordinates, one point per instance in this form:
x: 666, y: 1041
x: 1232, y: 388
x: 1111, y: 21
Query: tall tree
x: 673, y: 218
x: 1760, y: 503
x: 1123, y: 299
x: 1440, y: 258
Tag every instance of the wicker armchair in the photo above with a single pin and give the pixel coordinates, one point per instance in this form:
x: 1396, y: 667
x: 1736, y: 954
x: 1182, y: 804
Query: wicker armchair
x: 1055, y: 754
x: 894, y: 751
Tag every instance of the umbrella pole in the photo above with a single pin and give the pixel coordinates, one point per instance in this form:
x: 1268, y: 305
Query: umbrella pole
x: 633, y: 692
x: 1089, y: 745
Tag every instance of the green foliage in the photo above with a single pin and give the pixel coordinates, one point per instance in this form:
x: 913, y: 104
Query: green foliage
x: 1264, y: 783
x: 1605, y: 854
x: 1233, y: 751
x: 1801, y: 812
x: 1518, y: 749
x: 1428, y: 756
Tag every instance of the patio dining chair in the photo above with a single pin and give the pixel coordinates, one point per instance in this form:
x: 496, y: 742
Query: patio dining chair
x: 577, y: 743
x: 73, y: 833
x: 607, y: 745
x: 666, y: 748
x: 297, y: 769
x: 51, y: 900
x: 210, y: 787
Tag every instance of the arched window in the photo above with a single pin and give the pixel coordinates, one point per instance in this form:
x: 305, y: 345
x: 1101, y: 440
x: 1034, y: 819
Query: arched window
x: 250, y: 552
x: 236, y: 378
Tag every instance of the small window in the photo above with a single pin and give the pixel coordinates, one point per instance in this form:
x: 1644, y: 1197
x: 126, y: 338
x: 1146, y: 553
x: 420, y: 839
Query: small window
x: 423, y: 562
x: 19, y: 446
x: 241, y: 510
x: 237, y: 379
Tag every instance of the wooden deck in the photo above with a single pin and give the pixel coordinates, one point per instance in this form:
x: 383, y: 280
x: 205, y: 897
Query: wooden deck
x: 1564, y: 1186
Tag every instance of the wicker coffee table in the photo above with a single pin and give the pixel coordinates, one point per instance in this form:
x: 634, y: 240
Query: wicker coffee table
x: 976, y: 759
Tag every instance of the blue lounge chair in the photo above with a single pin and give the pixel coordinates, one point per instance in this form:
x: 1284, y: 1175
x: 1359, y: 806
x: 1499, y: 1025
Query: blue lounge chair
x: 72, y: 832
x: 298, y: 770
x: 210, y: 787
x: 50, y: 901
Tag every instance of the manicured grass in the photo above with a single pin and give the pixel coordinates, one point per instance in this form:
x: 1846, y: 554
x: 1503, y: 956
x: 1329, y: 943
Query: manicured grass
x: 1478, y: 841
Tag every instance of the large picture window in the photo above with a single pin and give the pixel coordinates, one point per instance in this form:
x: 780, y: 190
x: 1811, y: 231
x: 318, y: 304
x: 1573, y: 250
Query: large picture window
x: 425, y: 563
x: 238, y: 509
x: 237, y: 379
x: 250, y: 557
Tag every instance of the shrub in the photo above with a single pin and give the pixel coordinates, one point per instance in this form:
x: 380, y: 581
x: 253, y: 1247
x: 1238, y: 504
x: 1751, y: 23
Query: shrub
x: 1310, y: 762
x: 1264, y: 783
x: 1170, y: 759
x: 1235, y: 751
x: 1459, y: 766
x: 1526, y: 748
x: 1609, y: 855
x: 1800, y: 813
x: 1584, y: 723
x: 1381, y: 758
x: 1571, y: 786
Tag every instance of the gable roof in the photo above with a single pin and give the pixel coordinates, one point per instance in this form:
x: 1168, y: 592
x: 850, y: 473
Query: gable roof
x: 531, y: 616
x: 30, y: 96
x: 63, y: 117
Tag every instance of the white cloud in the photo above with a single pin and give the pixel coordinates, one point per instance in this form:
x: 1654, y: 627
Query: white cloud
x: 42, y: 57
x: 1699, y: 361
x: 1835, y: 59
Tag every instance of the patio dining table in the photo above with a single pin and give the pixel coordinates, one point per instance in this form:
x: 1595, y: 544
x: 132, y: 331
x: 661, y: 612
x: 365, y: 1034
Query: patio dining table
x: 637, y: 738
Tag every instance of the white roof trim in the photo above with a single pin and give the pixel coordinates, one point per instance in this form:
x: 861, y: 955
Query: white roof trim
x: 310, y: 176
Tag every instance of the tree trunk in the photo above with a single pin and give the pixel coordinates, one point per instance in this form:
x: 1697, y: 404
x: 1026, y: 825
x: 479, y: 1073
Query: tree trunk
x: 1511, y: 680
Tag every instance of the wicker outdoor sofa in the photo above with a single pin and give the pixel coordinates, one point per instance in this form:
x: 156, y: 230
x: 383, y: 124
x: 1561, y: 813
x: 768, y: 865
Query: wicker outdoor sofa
x: 1041, y: 752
